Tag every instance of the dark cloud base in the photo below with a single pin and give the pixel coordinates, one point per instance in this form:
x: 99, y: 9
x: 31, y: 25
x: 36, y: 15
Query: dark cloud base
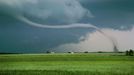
x: 18, y: 37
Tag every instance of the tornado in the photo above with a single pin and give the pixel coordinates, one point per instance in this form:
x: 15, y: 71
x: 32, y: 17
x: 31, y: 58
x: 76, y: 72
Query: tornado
x: 29, y: 22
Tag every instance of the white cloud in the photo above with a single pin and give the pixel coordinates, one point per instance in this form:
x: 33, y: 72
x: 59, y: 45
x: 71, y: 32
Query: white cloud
x: 97, y: 42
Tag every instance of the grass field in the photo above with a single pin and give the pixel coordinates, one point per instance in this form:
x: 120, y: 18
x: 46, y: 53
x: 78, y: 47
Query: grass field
x: 67, y: 64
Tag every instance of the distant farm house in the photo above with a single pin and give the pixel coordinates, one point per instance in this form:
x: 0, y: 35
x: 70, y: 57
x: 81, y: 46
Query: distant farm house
x: 52, y: 52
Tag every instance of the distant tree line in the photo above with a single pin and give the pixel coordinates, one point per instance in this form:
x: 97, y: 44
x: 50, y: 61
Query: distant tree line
x: 129, y: 52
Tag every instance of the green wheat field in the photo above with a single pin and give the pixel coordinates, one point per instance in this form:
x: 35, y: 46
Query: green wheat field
x: 67, y: 64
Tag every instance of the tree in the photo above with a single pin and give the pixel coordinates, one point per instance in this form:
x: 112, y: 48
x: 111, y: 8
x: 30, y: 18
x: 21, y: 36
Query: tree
x: 131, y: 52
x: 86, y: 52
x: 48, y: 52
x: 127, y: 53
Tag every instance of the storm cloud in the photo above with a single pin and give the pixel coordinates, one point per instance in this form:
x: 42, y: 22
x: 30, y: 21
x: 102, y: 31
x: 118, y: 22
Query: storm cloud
x: 17, y: 36
x: 58, y: 11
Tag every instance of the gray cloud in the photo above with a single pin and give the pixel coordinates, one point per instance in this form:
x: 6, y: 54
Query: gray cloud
x: 58, y: 11
x: 111, y: 13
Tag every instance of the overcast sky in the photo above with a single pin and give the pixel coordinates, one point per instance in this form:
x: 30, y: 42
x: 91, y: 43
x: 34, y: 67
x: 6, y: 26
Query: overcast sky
x: 114, y: 17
